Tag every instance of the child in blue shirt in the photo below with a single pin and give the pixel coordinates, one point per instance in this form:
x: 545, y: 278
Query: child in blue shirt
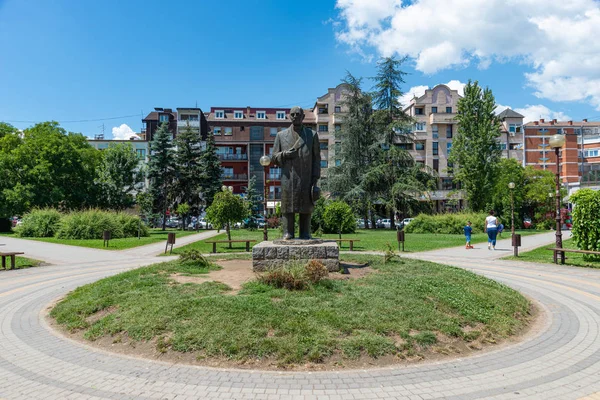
x: 468, y: 231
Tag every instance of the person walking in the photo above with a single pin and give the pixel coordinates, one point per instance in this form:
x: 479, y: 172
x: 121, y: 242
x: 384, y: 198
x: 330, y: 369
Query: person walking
x: 491, y: 227
x: 468, y: 230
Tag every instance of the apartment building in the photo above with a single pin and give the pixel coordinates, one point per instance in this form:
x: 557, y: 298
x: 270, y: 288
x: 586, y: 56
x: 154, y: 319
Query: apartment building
x: 580, y: 156
x: 244, y: 134
x: 511, y: 138
x: 177, y: 120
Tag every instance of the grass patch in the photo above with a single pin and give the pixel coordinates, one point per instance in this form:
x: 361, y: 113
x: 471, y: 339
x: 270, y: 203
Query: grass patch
x: 399, y: 310
x: 156, y: 235
x: 370, y: 240
x: 541, y: 255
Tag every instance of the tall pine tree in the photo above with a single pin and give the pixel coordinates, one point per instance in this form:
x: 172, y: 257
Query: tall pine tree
x: 211, y: 171
x: 252, y: 196
x: 161, y: 168
x: 188, y: 176
x: 475, y: 151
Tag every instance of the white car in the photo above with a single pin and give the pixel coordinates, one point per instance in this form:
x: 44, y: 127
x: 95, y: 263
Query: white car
x: 387, y: 223
x: 406, y: 221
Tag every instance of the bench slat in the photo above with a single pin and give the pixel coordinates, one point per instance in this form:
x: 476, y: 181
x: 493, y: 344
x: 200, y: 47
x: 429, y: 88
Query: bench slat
x: 13, y: 253
x: 575, y: 251
x: 346, y: 240
x: 229, y: 241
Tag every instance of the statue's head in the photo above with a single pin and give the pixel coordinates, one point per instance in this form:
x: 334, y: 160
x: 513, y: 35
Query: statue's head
x: 297, y: 115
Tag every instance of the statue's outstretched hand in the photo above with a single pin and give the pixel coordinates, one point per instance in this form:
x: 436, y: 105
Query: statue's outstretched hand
x: 291, y: 153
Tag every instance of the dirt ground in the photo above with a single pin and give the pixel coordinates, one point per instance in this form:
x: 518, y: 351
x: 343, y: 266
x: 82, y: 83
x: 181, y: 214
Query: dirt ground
x: 234, y: 273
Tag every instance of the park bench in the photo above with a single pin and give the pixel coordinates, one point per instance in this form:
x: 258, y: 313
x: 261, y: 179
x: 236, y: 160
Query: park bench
x: 558, y: 251
x: 12, y: 255
x: 214, y: 243
x: 347, y: 240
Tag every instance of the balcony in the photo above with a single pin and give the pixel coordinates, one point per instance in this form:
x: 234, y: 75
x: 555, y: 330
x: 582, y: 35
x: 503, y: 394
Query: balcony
x: 183, y: 123
x: 233, y: 157
x: 442, y: 118
x: 234, y: 177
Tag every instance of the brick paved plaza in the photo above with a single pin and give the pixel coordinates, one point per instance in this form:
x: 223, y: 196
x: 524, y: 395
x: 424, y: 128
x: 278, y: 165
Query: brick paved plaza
x: 561, y: 361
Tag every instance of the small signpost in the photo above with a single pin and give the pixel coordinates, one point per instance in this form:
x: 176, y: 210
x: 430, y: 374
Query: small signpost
x: 400, y: 237
x: 516, y: 242
x: 106, y: 237
x: 170, y: 241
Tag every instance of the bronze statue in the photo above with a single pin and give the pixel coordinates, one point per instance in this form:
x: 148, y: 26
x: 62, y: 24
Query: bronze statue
x: 297, y: 152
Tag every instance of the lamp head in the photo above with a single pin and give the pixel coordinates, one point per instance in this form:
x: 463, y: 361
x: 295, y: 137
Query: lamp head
x: 511, y: 185
x: 230, y: 189
x: 224, y: 188
x: 557, y: 141
x: 265, y: 160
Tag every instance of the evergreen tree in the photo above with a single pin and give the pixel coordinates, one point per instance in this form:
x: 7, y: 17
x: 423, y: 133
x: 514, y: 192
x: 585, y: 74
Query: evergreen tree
x: 161, y: 169
x: 211, y: 175
x: 188, y: 163
x: 252, y: 196
x: 475, y: 151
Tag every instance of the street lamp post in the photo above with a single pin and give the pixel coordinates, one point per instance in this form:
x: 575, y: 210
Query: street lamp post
x: 557, y: 142
x: 265, y: 161
x: 515, y: 243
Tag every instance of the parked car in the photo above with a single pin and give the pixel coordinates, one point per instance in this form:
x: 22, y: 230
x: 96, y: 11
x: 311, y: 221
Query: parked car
x: 257, y: 221
x: 386, y: 223
x: 360, y: 223
x: 405, y: 222
x: 173, y: 223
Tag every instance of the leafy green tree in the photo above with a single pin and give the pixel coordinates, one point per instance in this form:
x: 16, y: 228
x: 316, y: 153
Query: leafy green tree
x: 539, y: 190
x: 187, y: 185
x: 475, y: 151
x: 510, y: 170
x: 119, y: 176
x: 7, y: 129
x: 358, y: 147
x: 339, y: 218
x: 252, y: 196
x: 47, y: 167
x: 161, y: 169
x: 183, y: 210
x: 586, y: 221
x: 226, y: 209
x: 212, y: 171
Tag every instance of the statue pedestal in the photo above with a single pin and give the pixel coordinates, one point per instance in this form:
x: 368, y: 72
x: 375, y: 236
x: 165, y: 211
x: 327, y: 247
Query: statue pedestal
x: 270, y: 255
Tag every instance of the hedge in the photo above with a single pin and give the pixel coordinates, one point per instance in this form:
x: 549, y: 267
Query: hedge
x: 446, y: 223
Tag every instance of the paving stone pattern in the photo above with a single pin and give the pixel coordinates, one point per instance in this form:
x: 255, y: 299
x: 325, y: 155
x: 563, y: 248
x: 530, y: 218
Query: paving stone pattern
x: 562, y: 361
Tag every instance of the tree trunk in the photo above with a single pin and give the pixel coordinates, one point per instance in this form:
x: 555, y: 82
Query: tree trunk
x: 228, y: 228
x: 392, y: 219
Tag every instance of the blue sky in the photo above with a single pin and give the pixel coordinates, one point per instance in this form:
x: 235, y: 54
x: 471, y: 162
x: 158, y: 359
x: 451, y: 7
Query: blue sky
x: 81, y: 60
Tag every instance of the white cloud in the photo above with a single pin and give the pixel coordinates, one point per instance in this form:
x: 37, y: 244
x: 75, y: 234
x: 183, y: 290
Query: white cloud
x: 555, y: 38
x: 418, y: 91
x: 123, y: 132
x: 535, y: 112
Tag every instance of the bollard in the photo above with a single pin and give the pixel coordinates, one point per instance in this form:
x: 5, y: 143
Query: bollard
x: 106, y: 238
x: 170, y: 241
x: 400, y: 238
x: 516, y: 242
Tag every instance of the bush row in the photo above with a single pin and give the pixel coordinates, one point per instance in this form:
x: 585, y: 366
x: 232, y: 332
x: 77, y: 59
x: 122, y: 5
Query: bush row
x: 80, y: 224
x: 446, y: 223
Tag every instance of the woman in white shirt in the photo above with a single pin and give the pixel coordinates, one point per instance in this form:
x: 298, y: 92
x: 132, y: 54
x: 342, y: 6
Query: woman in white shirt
x: 491, y: 227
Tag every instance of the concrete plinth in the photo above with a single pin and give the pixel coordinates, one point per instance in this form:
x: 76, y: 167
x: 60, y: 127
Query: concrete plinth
x: 269, y: 255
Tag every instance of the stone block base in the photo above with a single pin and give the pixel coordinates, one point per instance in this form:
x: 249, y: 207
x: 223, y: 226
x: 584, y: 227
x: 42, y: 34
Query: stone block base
x: 269, y: 255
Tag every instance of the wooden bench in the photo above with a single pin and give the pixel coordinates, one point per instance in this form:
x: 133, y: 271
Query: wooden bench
x: 12, y: 256
x: 214, y: 243
x: 348, y: 240
x: 557, y: 251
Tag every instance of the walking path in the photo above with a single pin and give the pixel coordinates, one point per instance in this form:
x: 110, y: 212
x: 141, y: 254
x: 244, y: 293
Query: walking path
x: 562, y: 361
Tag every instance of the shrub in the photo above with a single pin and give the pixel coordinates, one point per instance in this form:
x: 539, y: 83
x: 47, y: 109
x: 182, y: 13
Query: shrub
x: 446, y: 223
x: 338, y: 216
x: 5, y: 225
x: 315, y: 271
x: 316, y: 220
x: 193, y: 256
x: 91, y: 223
x: 39, y: 223
x: 273, y: 222
x: 586, y: 221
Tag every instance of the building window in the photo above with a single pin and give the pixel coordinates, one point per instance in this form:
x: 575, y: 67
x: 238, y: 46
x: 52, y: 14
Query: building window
x: 449, y: 110
x: 405, y: 146
x: 261, y: 115
x: 337, y: 109
x: 275, y: 173
x: 434, y: 131
x: 228, y: 131
x: 448, y: 147
x: 217, y: 131
x: 163, y: 118
x: 141, y: 154
x: 322, y: 110
x: 227, y: 173
x: 514, y: 128
x: 238, y: 114
x: 435, y: 148
x: 324, y: 145
x: 436, y: 165
x: 434, y: 110
x: 338, y: 127
x: 323, y: 163
x: 338, y: 162
x: 219, y: 114
x: 420, y: 126
x: 280, y: 114
x: 592, y: 153
x: 515, y: 146
x: 449, y: 131
x: 502, y: 146
x: 447, y: 184
x: 419, y: 145
x: 323, y: 128
x: 273, y: 132
x: 419, y: 111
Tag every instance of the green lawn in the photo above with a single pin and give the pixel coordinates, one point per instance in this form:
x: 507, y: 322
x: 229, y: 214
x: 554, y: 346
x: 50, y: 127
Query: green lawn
x: 541, y: 255
x: 400, y: 309
x: 374, y: 240
x: 156, y: 235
